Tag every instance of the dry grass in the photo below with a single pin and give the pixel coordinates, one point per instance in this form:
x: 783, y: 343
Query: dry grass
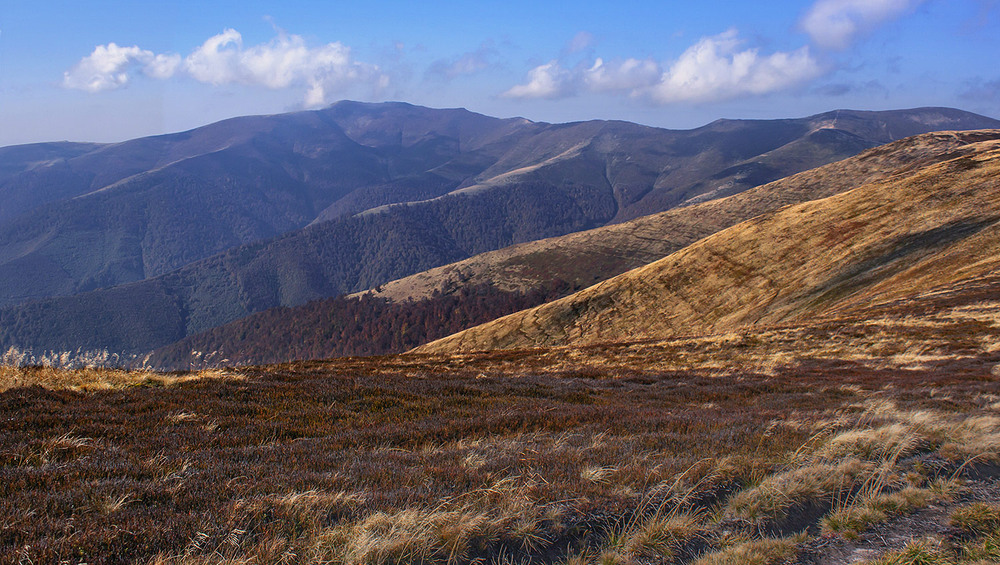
x: 915, y: 553
x: 91, y: 380
x: 662, y: 536
x: 853, y: 519
x: 891, y: 239
x: 777, y: 495
x: 977, y: 519
x: 588, y: 456
x: 755, y: 552
x: 980, y: 527
x: 857, y: 472
x: 875, y: 444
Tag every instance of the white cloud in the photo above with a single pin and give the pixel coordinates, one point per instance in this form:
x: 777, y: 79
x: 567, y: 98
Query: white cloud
x: 215, y: 62
x: 626, y: 75
x: 544, y: 81
x: 108, y: 66
x: 834, y: 24
x: 713, y: 69
x: 162, y: 66
x: 284, y: 62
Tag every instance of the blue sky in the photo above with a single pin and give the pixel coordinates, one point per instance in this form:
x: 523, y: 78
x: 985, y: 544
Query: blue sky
x: 114, y: 70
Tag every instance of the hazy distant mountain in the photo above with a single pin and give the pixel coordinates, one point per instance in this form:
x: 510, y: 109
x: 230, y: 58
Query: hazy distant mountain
x: 163, y: 237
x: 431, y: 304
x: 125, y: 212
x: 930, y: 227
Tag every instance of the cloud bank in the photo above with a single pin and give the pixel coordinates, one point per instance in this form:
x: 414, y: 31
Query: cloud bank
x: 835, y: 24
x: 284, y: 62
x: 715, y: 68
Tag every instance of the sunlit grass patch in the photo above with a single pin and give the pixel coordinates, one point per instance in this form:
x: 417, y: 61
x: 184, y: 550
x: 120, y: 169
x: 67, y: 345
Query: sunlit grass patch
x: 767, y: 551
x: 915, y: 553
x: 97, y: 379
x: 778, y: 494
x: 853, y: 519
x: 661, y: 536
x: 877, y: 443
x: 977, y: 518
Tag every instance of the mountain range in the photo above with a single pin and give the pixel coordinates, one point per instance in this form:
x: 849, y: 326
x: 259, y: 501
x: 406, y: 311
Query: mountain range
x: 136, y: 245
x: 932, y: 227
x: 413, y: 310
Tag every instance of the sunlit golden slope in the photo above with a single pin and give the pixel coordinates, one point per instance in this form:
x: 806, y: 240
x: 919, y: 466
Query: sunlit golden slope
x: 929, y: 223
x: 585, y: 258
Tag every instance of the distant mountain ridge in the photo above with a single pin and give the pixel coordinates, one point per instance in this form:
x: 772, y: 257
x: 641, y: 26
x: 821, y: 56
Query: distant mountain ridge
x: 134, y: 210
x: 929, y: 227
x: 408, y: 312
x: 135, y: 245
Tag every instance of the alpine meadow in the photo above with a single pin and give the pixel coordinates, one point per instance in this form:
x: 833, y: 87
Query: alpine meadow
x: 500, y: 284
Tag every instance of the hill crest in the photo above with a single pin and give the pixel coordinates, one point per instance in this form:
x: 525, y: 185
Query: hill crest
x: 878, y: 241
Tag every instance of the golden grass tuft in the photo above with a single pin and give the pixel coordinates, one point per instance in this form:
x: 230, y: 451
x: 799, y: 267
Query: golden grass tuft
x: 90, y: 380
x: 777, y: 494
x: 408, y: 536
x: 875, y: 444
x: 977, y: 518
x: 851, y: 520
x: 661, y: 537
x: 767, y: 551
x: 915, y: 553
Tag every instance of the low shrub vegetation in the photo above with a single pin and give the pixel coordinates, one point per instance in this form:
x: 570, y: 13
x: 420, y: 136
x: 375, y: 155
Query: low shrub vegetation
x: 505, y: 457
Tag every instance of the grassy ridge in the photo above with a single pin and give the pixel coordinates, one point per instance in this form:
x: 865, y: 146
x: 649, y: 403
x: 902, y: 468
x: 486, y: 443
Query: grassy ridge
x: 934, y: 224
x: 487, y: 285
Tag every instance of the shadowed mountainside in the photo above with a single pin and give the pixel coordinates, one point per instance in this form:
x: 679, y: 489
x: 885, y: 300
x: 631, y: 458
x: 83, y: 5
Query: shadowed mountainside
x: 422, y: 307
x: 930, y: 226
x: 138, y: 209
x: 151, y: 213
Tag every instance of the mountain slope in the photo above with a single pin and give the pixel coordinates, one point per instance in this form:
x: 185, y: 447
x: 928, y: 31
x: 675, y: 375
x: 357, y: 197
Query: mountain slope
x: 408, y: 312
x: 135, y: 210
x: 273, y: 173
x: 329, y: 259
x: 142, y: 208
x: 928, y: 226
x: 582, y: 257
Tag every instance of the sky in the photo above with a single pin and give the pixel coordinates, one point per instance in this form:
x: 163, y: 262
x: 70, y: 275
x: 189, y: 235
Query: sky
x: 114, y: 70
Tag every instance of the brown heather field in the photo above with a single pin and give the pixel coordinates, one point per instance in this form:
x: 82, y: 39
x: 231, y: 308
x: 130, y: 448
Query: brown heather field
x: 786, y: 444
